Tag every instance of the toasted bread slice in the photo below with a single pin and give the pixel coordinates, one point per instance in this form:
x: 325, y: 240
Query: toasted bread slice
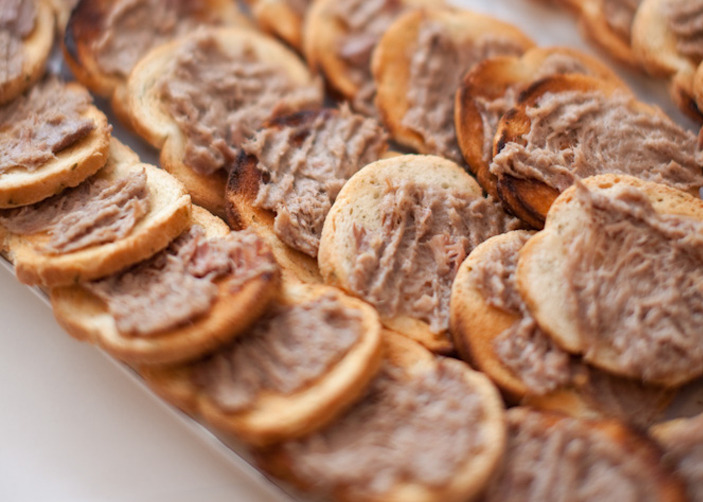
x: 492, y: 88
x: 282, y: 18
x: 418, y: 65
x: 552, y: 457
x: 35, y: 50
x: 85, y: 316
x: 396, y: 235
x: 62, y: 10
x: 147, y: 108
x: 576, y: 247
x: 168, y: 215
x: 413, y: 437
x: 339, y: 39
x: 295, y: 168
x: 92, y: 21
x: 69, y: 166
x: 609, y: 26
x: 493, y: 330
x: 535, y: 160
x: 273, y: 412
x: 682, y: 441
x: 663, y: 52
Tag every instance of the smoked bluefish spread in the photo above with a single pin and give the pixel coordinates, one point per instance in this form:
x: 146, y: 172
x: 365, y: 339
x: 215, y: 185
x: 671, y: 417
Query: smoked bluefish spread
x: 551, y: 458
x: 634, y: 282
x: 133, y: 27
x: 96, y: 212
x: 408, y: 265
x: 576, y: 134
x: 685, y: 18
x: 416, y: 427
x: 289, y: 349
x: 180, y: 283
x: 436, y: 68
x: 305, y: 164
x: 17, y: 18
x: 220, y: 97
x: 36, y: 126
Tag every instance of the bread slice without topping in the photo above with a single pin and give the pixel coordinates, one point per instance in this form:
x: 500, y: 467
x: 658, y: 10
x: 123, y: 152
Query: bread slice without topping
x: 36, y: 48
x: 168, y: 215
x: 274, y: 415
x: 86, y: 317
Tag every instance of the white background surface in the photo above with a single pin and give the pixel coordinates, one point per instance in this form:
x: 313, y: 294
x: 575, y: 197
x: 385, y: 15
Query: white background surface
x: 76, y: 427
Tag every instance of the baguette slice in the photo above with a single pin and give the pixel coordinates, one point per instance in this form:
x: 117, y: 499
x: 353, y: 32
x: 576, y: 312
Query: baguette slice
x: 70, y: 166
x: 90, y: 19
x: 493, y: 87
x: 332, y: 461
x: 36, y: 48
x: 645, y: 129
x: 169, y: 214
x: 551, y: 457
x: 403, y: 196
x: 86, y: 317
x: 272, y: 415
x: 334, y: 28
x: 543, y: 272
x: 472, y: 37
x: 682, y: 441
x: 149, y: 117
x: 655, y: 45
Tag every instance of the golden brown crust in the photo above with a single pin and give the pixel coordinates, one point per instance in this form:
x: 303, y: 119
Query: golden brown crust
x: 392, y: 57
x: 84, y: 316
x: 86, y: 25
x: 540, y: 269
x: 530, y: 199
x: 169, y: 214
x: 35, y: 52
x: 275, y: 417
x: 144, y: 107
x: 470, y: 477
x: 281, y: 19
x: 489, y: 81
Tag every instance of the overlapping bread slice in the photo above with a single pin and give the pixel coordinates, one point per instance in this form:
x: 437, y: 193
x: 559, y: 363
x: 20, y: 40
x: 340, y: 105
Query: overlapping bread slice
x: 609, y: 25
x: 567, y: 127
x: 309, y: 357
x: 492, y: 88
x: 428, y: 429
x: 291, y: 175
x: 163, y: 213
x: 165, y: 310
x: 282, y: 18
x: 614, y: 276
x: 339, y: 39
x: 53, y: 138
x: 32, y: 42
x: 238, y: 66
x: 550, y: 457
x: 492, y: 329
x: 418, y: 65
x: 666, y: 37
x: 105, y: 39
x: 398, y: 232
x: 682, y: 442
x: 62, y: 10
